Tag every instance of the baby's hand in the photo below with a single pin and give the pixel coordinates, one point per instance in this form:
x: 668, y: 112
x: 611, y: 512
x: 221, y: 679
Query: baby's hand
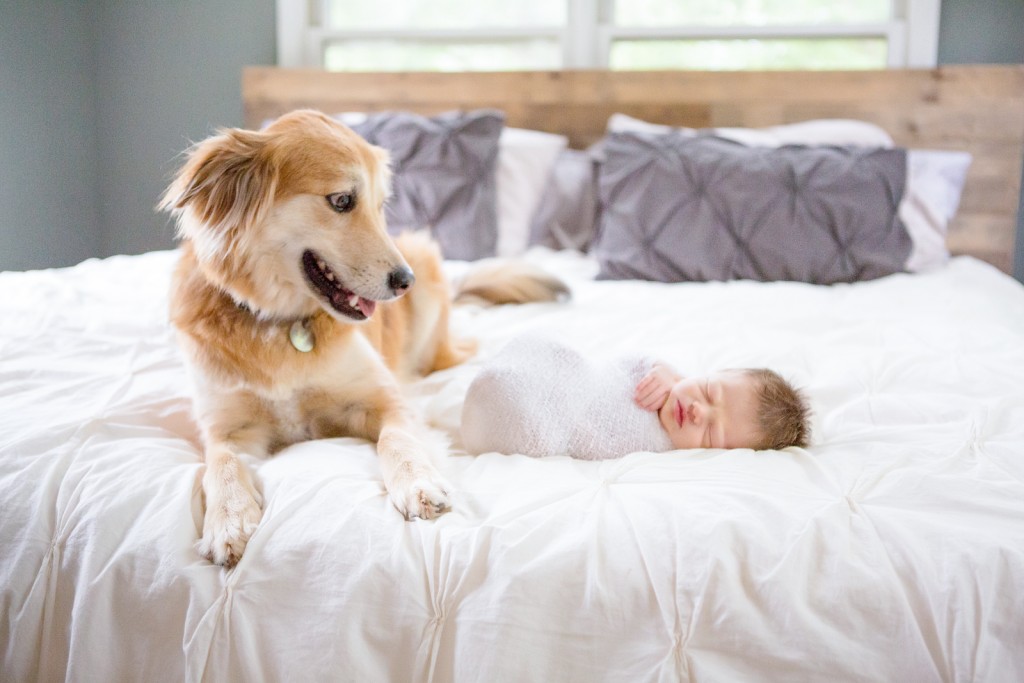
x: 652, y: 391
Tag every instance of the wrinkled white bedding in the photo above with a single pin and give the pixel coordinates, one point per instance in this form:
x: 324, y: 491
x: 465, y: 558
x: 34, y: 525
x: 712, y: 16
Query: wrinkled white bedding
x: 892, y: 549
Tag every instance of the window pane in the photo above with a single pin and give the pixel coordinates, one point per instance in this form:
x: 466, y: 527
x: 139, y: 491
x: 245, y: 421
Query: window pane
x: 651, y: 13
x: 427, y: 14
x: 411, y: 55
x: 737, y: 54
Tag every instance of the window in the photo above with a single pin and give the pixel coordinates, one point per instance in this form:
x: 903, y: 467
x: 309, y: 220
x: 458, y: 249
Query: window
x: 498, y: 35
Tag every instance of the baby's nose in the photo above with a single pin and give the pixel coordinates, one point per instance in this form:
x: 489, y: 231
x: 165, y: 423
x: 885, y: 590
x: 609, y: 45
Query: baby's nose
x: 695, y: 414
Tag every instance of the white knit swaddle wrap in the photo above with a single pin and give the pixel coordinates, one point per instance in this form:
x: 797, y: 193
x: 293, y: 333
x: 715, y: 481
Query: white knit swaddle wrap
x: 538, y: 397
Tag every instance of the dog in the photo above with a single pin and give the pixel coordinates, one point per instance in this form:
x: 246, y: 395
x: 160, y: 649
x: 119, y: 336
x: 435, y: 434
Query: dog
x: 298, y: 316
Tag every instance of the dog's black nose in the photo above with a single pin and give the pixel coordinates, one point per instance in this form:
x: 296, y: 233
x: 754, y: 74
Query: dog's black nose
x: 400, y: 279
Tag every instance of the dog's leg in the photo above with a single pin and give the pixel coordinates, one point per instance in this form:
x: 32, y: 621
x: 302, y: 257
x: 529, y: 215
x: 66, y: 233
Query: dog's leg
x: 233, y: 505
x: 416, y: 488
x: 405, y: 447
x: 448, y: 350
x: 234, y: 424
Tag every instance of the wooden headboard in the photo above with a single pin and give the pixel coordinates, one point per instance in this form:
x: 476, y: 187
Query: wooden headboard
x: 979, y: 109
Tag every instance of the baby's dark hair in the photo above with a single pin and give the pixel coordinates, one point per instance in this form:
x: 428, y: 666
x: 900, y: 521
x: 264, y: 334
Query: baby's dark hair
x: 782, y: 411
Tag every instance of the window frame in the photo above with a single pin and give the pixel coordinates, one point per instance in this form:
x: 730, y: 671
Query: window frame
x: 912, y: 33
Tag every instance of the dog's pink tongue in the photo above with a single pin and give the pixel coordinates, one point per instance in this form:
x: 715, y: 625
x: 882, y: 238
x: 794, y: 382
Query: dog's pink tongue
x: 367, y: 306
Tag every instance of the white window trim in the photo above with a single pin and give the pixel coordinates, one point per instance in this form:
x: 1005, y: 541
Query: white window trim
x: 912, y: 33
x: 920, y: 33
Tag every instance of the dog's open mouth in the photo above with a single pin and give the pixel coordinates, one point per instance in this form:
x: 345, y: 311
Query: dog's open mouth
x: 328, y: 284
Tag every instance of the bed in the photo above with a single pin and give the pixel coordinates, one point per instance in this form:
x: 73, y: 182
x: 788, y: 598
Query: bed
x: 890, y: 549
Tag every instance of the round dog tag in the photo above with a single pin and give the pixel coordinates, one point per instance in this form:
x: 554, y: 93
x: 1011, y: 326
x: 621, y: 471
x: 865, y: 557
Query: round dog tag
x: 301, y: 336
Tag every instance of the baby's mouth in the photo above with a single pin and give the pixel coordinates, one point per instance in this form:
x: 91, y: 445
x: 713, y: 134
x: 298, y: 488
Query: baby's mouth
x: 680, y: 413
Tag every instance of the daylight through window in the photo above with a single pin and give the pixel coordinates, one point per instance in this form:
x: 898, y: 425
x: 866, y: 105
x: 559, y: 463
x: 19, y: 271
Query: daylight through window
x: 488, y: 35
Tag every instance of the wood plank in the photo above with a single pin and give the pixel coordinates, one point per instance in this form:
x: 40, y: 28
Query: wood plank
x: 983, y: 236
x: 966, y: 84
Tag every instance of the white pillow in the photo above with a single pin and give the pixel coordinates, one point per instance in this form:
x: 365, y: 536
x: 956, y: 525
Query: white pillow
x: 843, y: 132
x: 815, y: 132
x: 623, y: 123
x: 525, y: 161
x: 934, y: 182
x: 350, y: 118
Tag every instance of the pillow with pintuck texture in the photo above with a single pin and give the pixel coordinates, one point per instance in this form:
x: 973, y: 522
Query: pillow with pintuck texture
x: 678, y: 207
x: 443, y: 176
x: 567, y: 214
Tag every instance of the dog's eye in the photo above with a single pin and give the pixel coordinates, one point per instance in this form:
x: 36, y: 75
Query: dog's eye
x: 342, y: 202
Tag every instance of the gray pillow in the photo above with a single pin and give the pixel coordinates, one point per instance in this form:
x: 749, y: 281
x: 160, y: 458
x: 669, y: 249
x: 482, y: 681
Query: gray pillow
x: 443, y: 176
x: 566, y: 217
x: 677, y: 207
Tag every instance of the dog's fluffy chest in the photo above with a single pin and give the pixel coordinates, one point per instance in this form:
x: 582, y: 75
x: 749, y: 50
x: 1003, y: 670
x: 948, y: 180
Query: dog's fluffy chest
x: 296, y: 396
x: 332, y: 398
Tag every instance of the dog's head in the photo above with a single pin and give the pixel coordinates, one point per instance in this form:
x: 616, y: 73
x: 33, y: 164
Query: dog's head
x: 291, y: 218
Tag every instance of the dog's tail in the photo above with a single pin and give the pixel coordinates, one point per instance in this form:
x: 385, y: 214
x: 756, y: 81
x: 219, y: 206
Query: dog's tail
x: 498, y: 281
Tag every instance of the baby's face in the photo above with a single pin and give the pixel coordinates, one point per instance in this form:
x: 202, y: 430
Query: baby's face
x: 717, y: 411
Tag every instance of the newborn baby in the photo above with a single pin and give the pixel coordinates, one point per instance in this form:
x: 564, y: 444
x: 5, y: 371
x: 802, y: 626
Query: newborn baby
x: 538, y: 397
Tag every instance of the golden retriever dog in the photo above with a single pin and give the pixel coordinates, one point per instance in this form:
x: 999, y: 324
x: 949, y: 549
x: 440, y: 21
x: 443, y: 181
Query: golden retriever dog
x: 298, y: 315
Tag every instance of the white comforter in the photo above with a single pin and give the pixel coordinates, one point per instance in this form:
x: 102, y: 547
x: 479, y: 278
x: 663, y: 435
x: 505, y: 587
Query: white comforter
x: 891, y: 550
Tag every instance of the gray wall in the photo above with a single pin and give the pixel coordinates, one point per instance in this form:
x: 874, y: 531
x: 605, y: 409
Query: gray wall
x: 49, y: 211
x: 168, y: 73
x: 97, y: 97
x: 981, y: 32
x: 988, y: 32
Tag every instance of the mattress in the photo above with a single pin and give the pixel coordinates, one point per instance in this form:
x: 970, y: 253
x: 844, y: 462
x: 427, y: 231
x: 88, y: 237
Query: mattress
x: 891, y: 549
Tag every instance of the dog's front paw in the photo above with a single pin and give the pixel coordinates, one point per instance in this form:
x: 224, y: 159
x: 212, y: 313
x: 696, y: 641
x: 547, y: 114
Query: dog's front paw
x: 421, y: 494
x: 229, y: 523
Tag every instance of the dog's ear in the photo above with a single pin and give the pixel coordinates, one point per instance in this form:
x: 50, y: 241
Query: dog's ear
x: 227, y: 181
